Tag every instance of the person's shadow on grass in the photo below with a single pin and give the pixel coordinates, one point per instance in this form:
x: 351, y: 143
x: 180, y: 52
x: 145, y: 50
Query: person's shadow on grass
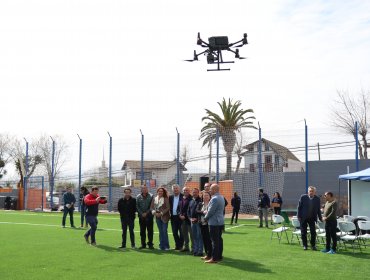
x: 244, y: 265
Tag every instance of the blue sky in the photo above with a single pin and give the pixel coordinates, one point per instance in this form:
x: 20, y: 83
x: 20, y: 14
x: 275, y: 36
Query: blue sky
x: 89, y: 67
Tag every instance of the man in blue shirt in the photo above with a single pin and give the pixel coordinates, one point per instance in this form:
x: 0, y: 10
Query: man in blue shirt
x: 69, y: 201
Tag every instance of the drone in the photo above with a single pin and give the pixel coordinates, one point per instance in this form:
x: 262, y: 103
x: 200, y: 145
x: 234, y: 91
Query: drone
x: 215, y: 46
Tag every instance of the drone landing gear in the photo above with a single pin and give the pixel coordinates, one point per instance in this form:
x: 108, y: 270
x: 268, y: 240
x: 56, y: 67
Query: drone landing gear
x: 218, y: 66
x: 218, y: 60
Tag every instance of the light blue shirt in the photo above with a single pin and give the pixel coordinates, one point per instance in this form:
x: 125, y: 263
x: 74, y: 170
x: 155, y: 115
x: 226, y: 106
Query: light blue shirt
x: 175, y: 204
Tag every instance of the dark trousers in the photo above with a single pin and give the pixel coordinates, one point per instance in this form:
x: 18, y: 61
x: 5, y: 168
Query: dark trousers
x: 207, y: 243
x: 331, y: 234
x: 176, y: 231
x: 130, y: 224
x: 70, y: 212
x: 277, y: 210
x: 311, y: 223
x: 217, y: 242
x: 83, y: 213
x: 146, y: 225
x: 93, y: 222
x: 235, y: 214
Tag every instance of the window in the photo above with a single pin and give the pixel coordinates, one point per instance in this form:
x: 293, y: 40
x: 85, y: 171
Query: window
x: 147, y: 175
x: 267, y: 148
x: 251, y: 168
x: 277, y: 159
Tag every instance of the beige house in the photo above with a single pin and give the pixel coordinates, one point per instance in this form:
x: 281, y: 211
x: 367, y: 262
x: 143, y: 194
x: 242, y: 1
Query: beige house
x: 275, y: 158
x: 158, y: 172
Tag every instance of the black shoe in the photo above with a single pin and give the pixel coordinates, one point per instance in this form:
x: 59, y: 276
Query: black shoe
x: 184, y: 250
x: 305, y: 248
x: 151, y: 247
x: 122, y: 247
x: 314, y: 248
x: 142, y: 247
x: 260, y: 226
x: 87, y: 239
x: 73, y: 227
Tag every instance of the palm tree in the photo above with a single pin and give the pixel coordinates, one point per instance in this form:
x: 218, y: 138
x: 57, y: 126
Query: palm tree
x: 233, y: 119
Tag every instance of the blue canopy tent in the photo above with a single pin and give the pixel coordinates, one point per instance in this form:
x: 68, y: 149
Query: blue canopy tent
x: 363, y: 175
x: 358, y: 192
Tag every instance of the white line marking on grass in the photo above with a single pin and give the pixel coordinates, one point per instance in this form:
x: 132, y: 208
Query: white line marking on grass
x: 46, y: 225
x: 53, y: 215
x: 234, y: 227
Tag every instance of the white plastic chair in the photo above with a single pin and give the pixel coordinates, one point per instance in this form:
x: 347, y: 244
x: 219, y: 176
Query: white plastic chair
x: 296, y: 232
x: 348, y: 218
x: 321, y: 235
x: 363, y: 217
x: 277, y: 219
x: 347, y: 228
x: 364, y: 226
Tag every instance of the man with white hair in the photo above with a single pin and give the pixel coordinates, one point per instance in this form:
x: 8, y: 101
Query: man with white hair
x: 215, y: 219
x: 308, y: 211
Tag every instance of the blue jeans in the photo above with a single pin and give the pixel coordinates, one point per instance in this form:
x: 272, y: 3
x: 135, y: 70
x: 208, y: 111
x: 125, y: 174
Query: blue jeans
x: 93, y: 222
x: 197, y: 238
x: 163, y: 234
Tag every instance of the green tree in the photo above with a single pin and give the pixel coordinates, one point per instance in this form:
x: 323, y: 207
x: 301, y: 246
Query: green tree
x: 231, y: 120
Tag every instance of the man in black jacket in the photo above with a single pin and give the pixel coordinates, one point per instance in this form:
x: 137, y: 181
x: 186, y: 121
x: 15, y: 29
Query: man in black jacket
x: 235, y: 203
x: 263, y: 206
x: 185, y: 221
x: 127, y: 210
x: 308, y: 211
x: 175, y: 200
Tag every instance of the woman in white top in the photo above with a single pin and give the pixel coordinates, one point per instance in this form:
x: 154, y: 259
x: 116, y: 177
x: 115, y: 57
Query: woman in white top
x: 202, y: 210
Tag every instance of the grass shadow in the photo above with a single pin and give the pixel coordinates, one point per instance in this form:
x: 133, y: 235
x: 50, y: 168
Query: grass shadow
x: 244, y: 265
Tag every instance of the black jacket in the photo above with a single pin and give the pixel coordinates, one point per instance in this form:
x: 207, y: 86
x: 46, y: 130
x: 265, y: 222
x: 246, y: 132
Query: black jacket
x: 263, y: 200
x: 127, y: 208
x: 304, y: 210
x: 235, y: 202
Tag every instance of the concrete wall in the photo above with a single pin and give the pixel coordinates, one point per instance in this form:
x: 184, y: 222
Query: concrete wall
x: 322, y: 174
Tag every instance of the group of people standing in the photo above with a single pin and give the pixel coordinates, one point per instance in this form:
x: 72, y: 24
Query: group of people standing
x: 197, y: 219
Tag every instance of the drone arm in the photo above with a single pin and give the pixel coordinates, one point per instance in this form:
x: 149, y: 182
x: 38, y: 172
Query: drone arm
x: 230, y: 50
x: 240, y: 41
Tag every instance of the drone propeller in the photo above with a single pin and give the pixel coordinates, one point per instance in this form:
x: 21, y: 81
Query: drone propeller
x: 244, y: 41
x: 194, y: 59
x: 199, y: 41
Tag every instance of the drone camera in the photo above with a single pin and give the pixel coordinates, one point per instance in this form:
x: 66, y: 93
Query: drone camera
x: 210, y: 59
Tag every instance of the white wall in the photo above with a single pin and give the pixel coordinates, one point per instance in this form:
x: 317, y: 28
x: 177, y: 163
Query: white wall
x: 360, y: 198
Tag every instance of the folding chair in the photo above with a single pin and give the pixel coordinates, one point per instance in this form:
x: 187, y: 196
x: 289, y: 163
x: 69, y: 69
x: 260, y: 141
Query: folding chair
x: 277, y: 219
x: 364, y: 235
x: 320, y: 232
x: 296, y: 232
x: 348, y: 228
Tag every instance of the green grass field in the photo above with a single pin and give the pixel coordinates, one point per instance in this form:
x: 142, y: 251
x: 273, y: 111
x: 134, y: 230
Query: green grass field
x: 34, y: 246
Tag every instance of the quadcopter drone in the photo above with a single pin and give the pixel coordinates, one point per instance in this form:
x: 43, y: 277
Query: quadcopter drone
x: 215, y: 47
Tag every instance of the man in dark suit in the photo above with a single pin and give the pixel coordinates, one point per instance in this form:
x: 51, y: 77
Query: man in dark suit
x: 308, y: 211
x: 175, y: 200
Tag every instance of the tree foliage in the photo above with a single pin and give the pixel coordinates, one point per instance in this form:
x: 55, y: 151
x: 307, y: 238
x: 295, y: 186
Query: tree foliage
x: 346, y: 111
x: 231, y: 120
